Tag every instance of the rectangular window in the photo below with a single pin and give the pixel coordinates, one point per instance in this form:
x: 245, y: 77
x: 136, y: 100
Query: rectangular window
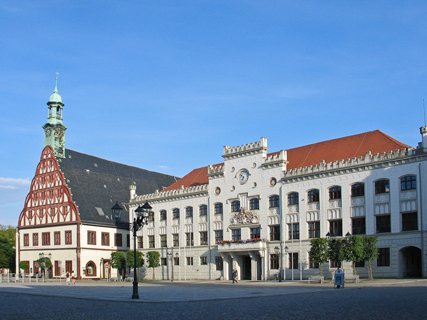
x: 57, y: 271
x: 409, y: 221
x: 383, y: 224
x: 189, y: 261
x: 176, y: 261
x: 359, y: 264
x: 68, y: 266
x: 293, y: 260
x: 57, y: 238
x: 219, y: 236
x: 314, y: 229
x: 218, y: 263
x: 118, y: 240
x: 189, y: 239
x: 293, y: 231
x: 163, y: 262
x: 151, y: 241
x: 175, y: 238
x: 163, y: 241
x: 162, y: 215
x: 236, y: 234
x: 383, y: 257
x: 46, y: 238
x: 358, y: 225
x: 256, y: 233
x: 382, y: 186
x: 140, y: 242
x: 203, y: 260
x: 26, y: 240
x: 91, y: 237
x: 408, y: 183
x: 105, y: 238
x: 35, y: 239
x: 203, y: 238
x: 128, y: 240
x: 335, y: 228
x: 275, y: 232
x: 68, y: 237
x: 274, y: 261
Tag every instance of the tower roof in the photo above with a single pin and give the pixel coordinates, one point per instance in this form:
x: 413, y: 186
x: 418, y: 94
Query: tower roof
x: 55, y: 97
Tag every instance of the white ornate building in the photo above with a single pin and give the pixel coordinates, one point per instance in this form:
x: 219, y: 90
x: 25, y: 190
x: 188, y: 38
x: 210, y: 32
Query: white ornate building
x: 256, y: 208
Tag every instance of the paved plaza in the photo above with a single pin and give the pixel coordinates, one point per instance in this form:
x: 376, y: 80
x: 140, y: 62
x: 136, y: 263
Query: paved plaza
x: 380, y: 299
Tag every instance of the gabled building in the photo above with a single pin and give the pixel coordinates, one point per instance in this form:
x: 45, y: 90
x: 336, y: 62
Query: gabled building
x: 67, y: 212
x: 258, y: 211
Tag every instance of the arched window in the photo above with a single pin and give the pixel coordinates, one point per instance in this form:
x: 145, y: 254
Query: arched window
x: 189, y: 212
x: 175, y: 213
x: 218, y: 207
x: 162, y: 215
x: 90, y: 269
x: 382, y: 186
x: 273, y: 201
x: 293, y: 198
x: 408, y: 182
x: 358, y: 189
x: 254, y: 204
x: 203, y: 210
x: 235, y: 206
x: 334, y: 193
x: 313, y: 195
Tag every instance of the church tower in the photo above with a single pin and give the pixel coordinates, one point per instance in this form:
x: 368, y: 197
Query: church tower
x: 54, y: 129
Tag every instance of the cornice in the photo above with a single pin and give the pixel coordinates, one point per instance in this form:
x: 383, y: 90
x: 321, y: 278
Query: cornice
x: 176, y: 194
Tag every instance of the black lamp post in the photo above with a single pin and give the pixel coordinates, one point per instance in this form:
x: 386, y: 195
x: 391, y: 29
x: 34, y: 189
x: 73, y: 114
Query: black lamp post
x: 141, y: 218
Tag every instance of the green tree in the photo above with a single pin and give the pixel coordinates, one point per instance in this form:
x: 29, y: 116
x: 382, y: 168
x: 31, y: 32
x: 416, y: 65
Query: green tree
x: 319, y: 252
x: 354, y: 250
x: 139, y: 259
x: 44, y: 264
x: 336, y: 251
x: 24, y: 265
x: 153, y: 259
x: 370, y: 253
x: 7, y: 247
x: 118, y: 261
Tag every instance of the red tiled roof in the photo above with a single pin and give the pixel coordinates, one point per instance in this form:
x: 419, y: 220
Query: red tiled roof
x: 194, y: 178
x: 342, y: 148
x: 331, y: 150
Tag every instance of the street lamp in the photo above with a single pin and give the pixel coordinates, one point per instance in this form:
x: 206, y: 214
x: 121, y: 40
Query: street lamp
x: 141, y: 218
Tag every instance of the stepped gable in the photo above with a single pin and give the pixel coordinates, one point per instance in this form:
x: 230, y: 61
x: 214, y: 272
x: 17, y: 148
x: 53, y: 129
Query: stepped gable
x: 331, y: 150
x: 194, y: 178
x: 96, y: 184
x: 342, y: 148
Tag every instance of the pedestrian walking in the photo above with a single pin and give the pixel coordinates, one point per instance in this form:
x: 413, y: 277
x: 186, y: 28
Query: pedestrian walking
x: 73, y: 278
x: 234, y: 276
x: 67, y: 278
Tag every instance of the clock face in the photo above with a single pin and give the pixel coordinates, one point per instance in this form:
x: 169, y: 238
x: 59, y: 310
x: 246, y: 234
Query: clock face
x: 243, y: 176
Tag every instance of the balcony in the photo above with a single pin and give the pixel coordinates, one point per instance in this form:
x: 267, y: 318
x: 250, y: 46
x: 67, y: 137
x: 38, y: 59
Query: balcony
x: 242, y: 245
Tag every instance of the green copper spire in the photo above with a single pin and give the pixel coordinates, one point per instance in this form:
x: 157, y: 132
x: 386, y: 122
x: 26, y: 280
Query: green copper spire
x: 54, y: 129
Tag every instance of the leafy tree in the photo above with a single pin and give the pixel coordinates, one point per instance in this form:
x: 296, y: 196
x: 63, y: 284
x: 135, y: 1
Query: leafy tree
x: 118, y: 261
x: 44, y: 264
x: 336, y: 251
x: 24, y: 265
x: 353, y: 250
x: 370, y: 253
x: 139, y: 259
x: 7, y: 247
x: 319, y: 252
x: 153, y: 259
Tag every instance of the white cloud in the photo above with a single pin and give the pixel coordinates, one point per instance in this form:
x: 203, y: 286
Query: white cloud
x: 14, y: 183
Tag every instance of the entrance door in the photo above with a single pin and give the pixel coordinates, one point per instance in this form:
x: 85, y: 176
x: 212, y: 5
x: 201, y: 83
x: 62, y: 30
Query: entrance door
x: 411, y: 262
x: 246, y: 272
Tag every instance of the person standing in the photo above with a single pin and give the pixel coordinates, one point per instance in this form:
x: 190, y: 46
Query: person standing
x: 234, y: 276
x: 67, y: 278
x: 73, y: 278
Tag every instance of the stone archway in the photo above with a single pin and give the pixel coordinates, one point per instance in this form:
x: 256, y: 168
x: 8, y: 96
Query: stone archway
x: 410, y: 262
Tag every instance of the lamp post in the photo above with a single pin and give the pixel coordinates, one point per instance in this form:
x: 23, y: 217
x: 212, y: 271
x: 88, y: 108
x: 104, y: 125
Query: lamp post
x: 101, y: 269
x: 141, y: 218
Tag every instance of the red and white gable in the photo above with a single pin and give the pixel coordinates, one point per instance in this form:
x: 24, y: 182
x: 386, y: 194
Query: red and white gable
x: 49, y: 201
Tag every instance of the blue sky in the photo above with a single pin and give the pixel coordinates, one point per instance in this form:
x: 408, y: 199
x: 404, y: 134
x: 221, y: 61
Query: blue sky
x: 164, y: 85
